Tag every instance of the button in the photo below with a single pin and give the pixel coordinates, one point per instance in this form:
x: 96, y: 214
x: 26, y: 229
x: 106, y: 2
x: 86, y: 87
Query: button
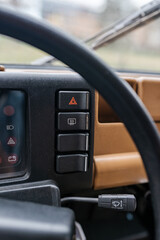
x: 72, y: 163
x: 72, y: 142
x: 73, y: 121
x: 73, y: 100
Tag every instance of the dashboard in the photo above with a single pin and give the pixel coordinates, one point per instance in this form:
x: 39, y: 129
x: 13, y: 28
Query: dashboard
x: 55, y: 126
x: 48, y: 127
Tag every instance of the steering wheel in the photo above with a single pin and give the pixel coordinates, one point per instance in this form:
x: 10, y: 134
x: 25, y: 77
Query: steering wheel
x: 115, y: 91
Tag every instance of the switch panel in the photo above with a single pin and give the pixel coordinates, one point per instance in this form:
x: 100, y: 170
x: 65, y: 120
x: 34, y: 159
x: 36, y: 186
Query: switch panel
x: 72, y: 163
x: 71, y: 121
x: 73, y: 142
x: 73, y: 100
x: 73, y: 125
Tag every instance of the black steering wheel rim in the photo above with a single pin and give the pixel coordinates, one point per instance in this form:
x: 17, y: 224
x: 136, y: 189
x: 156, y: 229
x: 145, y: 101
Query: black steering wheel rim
x: 116, y: 92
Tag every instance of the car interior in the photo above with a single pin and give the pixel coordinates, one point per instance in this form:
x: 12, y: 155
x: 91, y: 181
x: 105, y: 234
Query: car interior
x: 79, y: 142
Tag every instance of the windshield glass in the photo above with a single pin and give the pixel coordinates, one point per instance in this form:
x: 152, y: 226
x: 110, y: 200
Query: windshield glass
x: 138, y: 50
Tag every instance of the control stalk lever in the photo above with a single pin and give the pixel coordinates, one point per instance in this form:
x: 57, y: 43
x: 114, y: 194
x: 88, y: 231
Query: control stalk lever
x: 121, y: 202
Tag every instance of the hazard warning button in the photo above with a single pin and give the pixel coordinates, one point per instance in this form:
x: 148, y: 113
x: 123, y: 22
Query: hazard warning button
x: 73, y: 100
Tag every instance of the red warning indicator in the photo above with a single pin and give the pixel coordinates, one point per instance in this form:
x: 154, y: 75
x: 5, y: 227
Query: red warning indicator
x: 73, y: 101
x: 12, y: 158
x: 11, y: 141
x: 9, y: 110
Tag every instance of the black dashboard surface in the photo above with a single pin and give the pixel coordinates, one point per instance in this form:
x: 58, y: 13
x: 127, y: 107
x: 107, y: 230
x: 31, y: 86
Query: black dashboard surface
x: 41, y: 128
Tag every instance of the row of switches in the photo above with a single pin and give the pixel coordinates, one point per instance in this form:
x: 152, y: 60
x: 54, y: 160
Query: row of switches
x: 73, y: 127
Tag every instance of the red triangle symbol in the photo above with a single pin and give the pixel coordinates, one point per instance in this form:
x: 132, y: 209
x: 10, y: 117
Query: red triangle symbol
x: 73, y: 101
x: 11, y: 141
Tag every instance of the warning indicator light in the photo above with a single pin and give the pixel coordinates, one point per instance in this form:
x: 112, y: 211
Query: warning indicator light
x: 73, y: 101
x: 12, y: 159
x: 9, y: 110
x: 11, y: 141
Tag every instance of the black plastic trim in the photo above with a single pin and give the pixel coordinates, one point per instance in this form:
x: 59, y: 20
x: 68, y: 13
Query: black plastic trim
x: 44, y: 192
x: 41, y: 127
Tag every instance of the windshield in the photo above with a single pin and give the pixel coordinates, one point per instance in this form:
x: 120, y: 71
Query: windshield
x: 139, y: 50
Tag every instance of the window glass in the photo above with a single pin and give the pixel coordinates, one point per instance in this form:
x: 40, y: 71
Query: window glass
x: 139, y: 50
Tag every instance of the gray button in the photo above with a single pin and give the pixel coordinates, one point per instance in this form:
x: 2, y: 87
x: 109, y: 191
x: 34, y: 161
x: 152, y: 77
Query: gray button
x: 73, y: 100
x: 72, y: 163
x: 73, y: 121
x: 72, y: 142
